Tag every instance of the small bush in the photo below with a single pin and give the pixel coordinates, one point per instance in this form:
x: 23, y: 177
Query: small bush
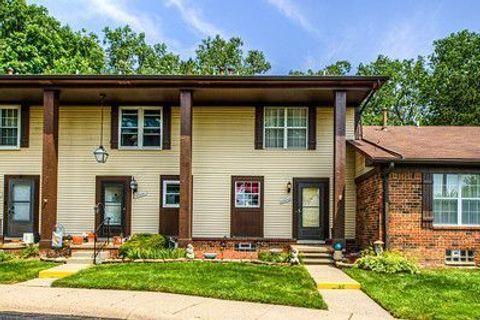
x: 5, y: 256
x: 277, y: 257
x: 139, y: 253
x: 142, y: 241
x: 387, y: 262
x: 30, y: 251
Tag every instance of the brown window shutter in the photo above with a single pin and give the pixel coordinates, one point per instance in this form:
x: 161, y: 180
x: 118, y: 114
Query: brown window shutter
x: 312, y: 128
x: 114, y: 127
x: 427, y: 204
x: 259, y: 127
x: 25, y: 125
x: 167, y: 126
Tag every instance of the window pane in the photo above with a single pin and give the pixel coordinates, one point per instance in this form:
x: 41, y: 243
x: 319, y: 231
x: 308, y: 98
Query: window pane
x: 297, y: 117
x: 129, y: 140
x: 471, y: 211
x: 445, y: 211
x: 471, y: 186
x: 445, y: 185
x: 8, y: 137
x: 9, y: 127
x: 129, y: 119
x: 21, y: 211
x: 274, y: 138
x: 297, y: 138
x: 173, y: 188
x: 274, y: 117
x: 247, y: 194
x: 152, y: 119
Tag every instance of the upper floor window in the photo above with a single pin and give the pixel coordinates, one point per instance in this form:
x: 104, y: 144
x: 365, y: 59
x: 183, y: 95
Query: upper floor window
x: 285, y: 128
x: 141, y: 127
x: 9, y: 127
x: 456, y: 199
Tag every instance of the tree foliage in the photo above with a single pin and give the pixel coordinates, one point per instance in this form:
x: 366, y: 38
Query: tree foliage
x: 339, y: 68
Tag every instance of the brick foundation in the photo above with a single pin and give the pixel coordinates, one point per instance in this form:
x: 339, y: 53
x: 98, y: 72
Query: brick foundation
x: 405, y: 231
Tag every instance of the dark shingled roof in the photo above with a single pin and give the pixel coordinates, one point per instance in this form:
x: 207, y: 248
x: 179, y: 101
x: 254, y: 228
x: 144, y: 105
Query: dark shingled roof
x: 420, y: 144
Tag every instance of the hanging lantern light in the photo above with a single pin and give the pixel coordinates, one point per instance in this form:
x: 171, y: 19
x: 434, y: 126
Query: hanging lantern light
x: 101, y: 155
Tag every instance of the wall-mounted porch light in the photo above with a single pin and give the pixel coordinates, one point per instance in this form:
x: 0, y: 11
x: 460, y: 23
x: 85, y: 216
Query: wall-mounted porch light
x: 134, y: 185
x: 101, y: 155
x: 289, y: 187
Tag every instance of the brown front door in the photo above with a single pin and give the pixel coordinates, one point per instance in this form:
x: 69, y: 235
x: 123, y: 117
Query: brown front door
x: 21, y: 205
x: 169, y: 205
x: 246, y: 219
x: 310, y: 208
x: 113, y: 205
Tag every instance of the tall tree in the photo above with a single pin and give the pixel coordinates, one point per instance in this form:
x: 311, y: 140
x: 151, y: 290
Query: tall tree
x: 217, y: 55
x: 128, y: 53
x: 453, y: 92
x: 402, y: 94
x: 339, y: 68
x: 31, y: 41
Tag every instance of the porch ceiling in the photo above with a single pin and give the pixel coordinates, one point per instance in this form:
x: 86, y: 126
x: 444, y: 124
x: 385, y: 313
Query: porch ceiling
x: 208, y: 90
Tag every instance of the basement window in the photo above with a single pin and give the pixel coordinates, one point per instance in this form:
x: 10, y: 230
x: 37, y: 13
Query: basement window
x: 460, y: 257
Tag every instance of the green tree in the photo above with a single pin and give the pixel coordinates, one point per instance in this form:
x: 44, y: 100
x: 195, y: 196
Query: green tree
x: 453, y: 92
x: 31, y: 41
x: 339, y: 68
x: 402, y: 94
x: 217, y: 55
x: 128, y: 53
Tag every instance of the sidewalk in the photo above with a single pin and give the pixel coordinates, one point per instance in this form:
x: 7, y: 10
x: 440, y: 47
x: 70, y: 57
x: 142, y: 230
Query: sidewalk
x: 153, y: 305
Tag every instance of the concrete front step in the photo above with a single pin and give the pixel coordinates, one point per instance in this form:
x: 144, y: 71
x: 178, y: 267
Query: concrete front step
x: 312, y: 249
x: 82, y: 254
x: 62, y: 271
x: 80, y: 260
x: 322, y: 261
x: 316, y: 255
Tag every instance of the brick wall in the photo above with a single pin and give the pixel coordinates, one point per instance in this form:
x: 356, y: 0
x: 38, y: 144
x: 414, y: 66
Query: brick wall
x: 369, y: 208
x: 427, y: 245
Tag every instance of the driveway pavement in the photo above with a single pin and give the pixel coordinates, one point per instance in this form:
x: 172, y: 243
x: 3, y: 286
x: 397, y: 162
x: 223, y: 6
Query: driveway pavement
x: 154, y: 305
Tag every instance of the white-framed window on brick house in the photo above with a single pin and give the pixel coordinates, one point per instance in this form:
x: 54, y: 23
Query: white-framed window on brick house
x: 247, y: 194
x: 285, y: 128
x: 9, y: 127
x: 456, y: 199
x: 171, y: 194
x: 140, y: 128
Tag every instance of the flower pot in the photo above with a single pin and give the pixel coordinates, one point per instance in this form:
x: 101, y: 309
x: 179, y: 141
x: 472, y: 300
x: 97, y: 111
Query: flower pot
x: 209, y: 255
x: 77, y: 240
x: 117, y: 240
x: 91, y: 237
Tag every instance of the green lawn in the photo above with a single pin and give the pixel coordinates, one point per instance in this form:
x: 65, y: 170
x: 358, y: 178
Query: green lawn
x: 21, y: 270
x: 432, y: 294
x: 233, y: 281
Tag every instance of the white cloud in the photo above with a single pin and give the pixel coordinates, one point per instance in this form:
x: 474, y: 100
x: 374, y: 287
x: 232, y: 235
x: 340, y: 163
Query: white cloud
x: 293, y: 12
x: 194, y: 18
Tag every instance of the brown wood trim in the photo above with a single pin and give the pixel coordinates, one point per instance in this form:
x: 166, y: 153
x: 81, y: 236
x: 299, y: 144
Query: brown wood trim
x: 25, y: 125
x: 312, y: 128
x: 326, y: 204
x: 49, y: 165
x: 186, y: 179
x: 36, y: 199
x: 238, y: 228
x: 259, y: 116
x: 339, y: 161
x: 128, y: 199
x: 114, y: 130
x: 166, y: 126
x: 168, y: 219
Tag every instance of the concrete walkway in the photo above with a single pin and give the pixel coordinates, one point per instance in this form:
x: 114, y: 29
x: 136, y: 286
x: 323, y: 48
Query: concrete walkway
x: 329, y: 277
x: 343, y: 304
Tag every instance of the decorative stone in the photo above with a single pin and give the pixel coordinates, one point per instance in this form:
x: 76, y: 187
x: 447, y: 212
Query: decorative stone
x: 190, y: 252
x: 294, y: 259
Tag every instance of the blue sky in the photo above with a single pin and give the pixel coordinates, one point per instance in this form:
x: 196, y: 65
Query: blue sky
x: 294, y: 34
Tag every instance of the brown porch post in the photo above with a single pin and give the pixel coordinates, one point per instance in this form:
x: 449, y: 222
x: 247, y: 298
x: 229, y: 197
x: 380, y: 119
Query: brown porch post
x: 186, y: 182
x: 339, y: 161
x: 49, y: 166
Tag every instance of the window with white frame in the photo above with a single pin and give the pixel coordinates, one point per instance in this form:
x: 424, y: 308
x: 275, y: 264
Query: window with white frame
x: 456, y: 199
x: 9, y: 127
x: 460, y: 256
x: 141, y: 127
x: 285, y: 128
x: 247, y: 194
x: 171, y: 194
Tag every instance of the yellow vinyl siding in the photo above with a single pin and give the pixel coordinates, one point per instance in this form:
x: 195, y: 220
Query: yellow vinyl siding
x: 27, y: 161
x: 223, y: 145
x: 360, y: 167
x: 79, y: 136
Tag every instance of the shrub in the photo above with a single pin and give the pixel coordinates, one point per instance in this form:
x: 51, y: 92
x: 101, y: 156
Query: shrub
x: 149, y: 253
x: 387, y: 262
x: 30, y: 251
x: 142, y: 241
x: 277, y: 257
x: 5, y: 256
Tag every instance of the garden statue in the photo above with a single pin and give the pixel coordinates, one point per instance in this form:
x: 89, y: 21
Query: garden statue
x: 294, y: 259
x: 190, y: 253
